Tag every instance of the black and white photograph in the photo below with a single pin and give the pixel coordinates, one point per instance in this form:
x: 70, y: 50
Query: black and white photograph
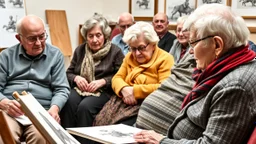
x: 142, y: 8
x: 13, y: 4
x: 201, y: 2
x: 2, y: 4
x: 177, y: 8
x: 244, y: 7
x: 10, y: 12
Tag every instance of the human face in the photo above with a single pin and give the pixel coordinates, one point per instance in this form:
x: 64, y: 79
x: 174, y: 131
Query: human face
x: 203, y: 54
x: 182, y: 35
x: 95, y: 38
x: 141, y: 50
x: 160, y: 24
x: 32, y: 37
x: 124, y: 23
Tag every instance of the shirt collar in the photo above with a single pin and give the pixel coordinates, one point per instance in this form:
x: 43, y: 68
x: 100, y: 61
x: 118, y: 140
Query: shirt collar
x: 23, y: 52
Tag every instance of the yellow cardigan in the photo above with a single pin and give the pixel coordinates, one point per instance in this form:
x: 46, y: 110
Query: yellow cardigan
x: 144, y: 78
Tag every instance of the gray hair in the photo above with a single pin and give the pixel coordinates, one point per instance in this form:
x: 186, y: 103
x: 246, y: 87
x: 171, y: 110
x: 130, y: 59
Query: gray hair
x: 138, y: 29
x: 218, y: 20
x: 92, y: 22
x: 19, y: 22
x: 182, y: 19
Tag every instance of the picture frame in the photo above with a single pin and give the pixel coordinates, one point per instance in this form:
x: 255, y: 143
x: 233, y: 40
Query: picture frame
x: 173, y: 11
x: 143, y: 10
x: 201, y: 2
x: 243, y: 8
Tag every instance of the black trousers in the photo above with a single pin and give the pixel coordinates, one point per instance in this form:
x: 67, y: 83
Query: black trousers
x: 80, y: 111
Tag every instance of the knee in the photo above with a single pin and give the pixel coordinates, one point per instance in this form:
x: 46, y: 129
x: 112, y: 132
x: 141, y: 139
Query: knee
x: 35, y: 137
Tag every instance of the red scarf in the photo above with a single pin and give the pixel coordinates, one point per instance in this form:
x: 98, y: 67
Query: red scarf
x: 216, y: 71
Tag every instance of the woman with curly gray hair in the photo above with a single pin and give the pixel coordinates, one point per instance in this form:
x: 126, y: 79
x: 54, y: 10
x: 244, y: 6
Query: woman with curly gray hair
x: 93, y: 65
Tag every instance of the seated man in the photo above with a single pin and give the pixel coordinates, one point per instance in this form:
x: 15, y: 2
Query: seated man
x: 160, y: 23
x: 125, y: 20
x: 36, y: 67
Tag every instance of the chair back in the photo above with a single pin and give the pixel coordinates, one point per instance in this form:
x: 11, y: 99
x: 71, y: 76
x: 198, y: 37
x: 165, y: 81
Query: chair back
x: 5, y: 130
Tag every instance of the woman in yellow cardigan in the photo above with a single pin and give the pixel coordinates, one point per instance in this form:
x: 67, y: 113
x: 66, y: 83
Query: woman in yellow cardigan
x: 142, y: 71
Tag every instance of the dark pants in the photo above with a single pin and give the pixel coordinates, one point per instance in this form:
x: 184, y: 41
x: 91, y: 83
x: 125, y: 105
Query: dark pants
x: 80, y: 111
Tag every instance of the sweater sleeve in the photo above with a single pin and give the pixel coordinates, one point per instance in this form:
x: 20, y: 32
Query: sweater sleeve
x: 118, y: 81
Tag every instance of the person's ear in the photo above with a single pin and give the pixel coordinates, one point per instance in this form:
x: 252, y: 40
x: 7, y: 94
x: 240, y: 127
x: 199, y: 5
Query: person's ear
x: 219, y: 46
x: 18, y: 37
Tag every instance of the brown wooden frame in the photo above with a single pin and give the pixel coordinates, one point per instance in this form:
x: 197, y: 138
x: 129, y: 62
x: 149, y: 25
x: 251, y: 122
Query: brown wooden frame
x: 144, y: 18
x: 5, y: 132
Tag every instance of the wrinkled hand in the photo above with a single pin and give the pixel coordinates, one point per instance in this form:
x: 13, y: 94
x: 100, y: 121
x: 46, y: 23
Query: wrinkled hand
x: 148, y: 137
x: 11, y: 107
x: 128, y: 96
x: 54, y: 112
x: 95, y: 85
x: 81, y: 83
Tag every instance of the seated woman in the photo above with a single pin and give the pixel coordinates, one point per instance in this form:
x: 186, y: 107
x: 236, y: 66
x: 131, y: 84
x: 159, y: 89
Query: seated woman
x: 160, y: 108
x: 180, y: 45
x: 221, y: 107
x: 143, y: 69
x: 93, y: 65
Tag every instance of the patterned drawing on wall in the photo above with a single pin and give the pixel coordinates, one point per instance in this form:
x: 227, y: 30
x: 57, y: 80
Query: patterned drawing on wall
x: 2, y: 4
x: 247, y: 3
x: 143, y: 4
x: 11, y: 24
x: 16, y: 3
x: 178, y: 8
x: 211, y: 1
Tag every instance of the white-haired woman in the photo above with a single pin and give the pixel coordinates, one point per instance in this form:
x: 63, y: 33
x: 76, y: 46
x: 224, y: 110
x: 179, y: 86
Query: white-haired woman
x: 93, y: 65
x: 180, y: 45
x: 221, y: 107
x: 142, y: 71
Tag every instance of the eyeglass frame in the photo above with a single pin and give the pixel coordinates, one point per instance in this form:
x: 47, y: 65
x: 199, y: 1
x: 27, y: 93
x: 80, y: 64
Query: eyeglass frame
x: 196, y: 41
x: 140, y: 48
x: 32, y: 40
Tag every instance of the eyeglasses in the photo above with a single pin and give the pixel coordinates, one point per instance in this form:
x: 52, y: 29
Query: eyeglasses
x: 125, y: 26
x: 140, y: 48
x: 33, y: 39
x: 193, y: 44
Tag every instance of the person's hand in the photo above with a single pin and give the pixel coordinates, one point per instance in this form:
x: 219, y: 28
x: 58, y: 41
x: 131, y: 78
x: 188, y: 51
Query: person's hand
x: 11, y: 107
x: 148, y: 137
x: 81, y: 83
x: 128, y: 96
x: 54, y: 112
x: 95, y: 85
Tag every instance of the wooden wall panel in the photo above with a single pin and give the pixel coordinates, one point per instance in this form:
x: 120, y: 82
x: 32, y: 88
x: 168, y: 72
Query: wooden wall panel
x: 59, y: 31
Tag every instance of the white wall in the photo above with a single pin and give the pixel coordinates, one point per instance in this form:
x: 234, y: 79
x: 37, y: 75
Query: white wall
x: 79, y: 10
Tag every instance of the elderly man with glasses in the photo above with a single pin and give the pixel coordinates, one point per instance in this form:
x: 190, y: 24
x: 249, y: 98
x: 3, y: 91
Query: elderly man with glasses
x: 125, y: 20
x: 36, y: 67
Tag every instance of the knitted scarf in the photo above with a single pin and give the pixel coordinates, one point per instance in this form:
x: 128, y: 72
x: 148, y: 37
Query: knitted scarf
x: 90, y: 61
x: 219, y: 68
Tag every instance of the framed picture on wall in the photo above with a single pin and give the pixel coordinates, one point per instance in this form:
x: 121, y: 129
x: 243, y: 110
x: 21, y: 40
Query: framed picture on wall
x: 177, y: 8
x: 245, y: 8
x: 143, y: 10
x: 201, y: 2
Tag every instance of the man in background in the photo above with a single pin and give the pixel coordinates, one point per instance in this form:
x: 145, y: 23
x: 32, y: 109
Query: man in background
x: 36, y: 67
x: 160, y: 23
x: 125, y: 20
